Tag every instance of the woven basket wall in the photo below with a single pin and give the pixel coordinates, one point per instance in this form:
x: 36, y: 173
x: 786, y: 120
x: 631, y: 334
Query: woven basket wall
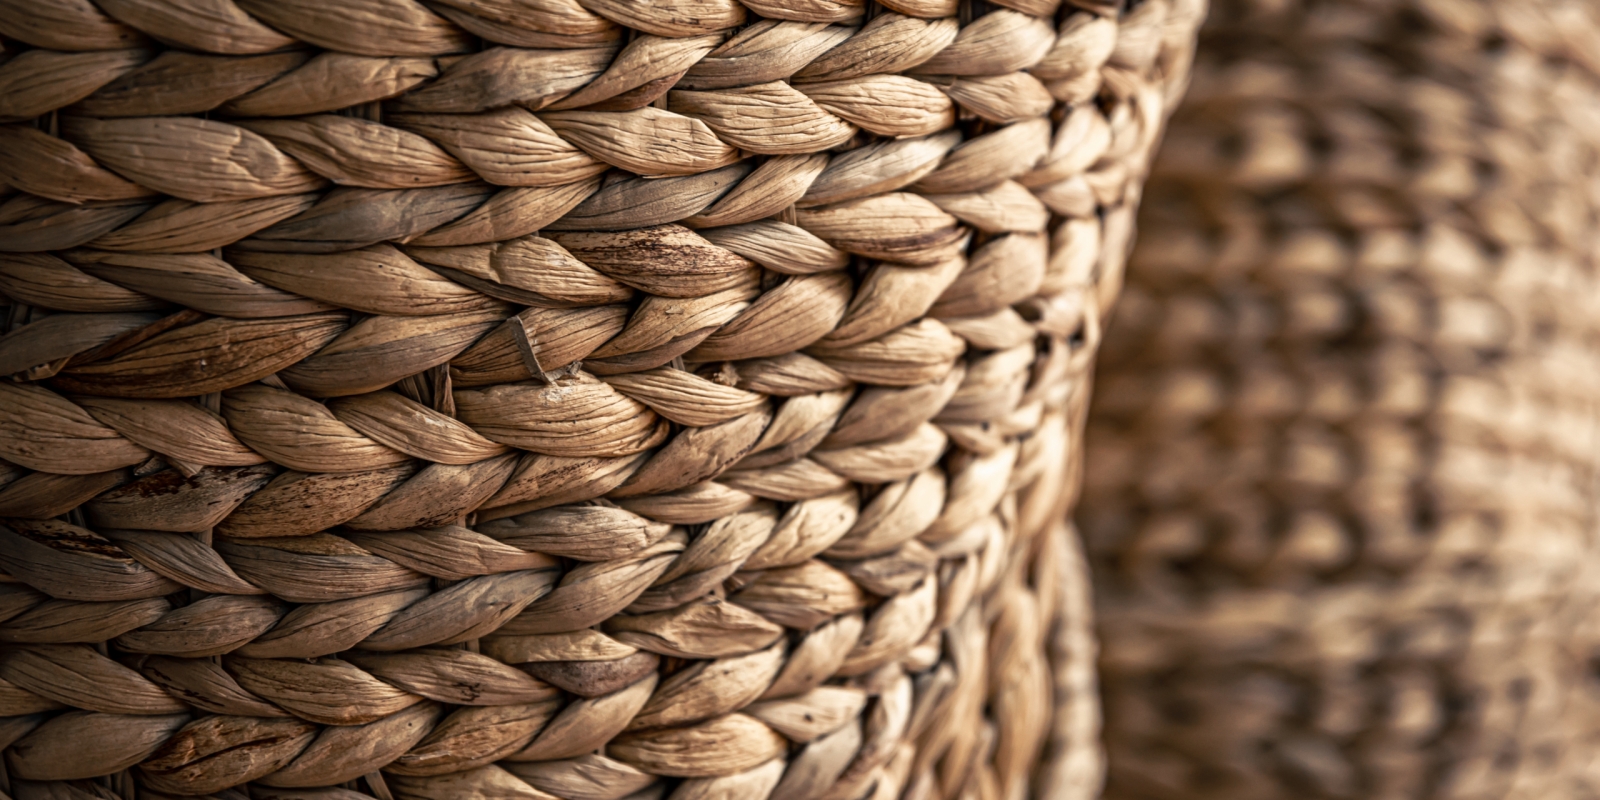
x: 557, y: 398
x: 1342, y: 498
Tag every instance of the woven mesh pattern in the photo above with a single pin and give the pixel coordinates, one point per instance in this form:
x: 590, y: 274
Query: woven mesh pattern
x: 557, y: 398
x: 1342, y: 502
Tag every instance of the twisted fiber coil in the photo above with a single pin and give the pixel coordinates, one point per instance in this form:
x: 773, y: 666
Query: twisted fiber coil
x: 1342, y: 503
x: 557, y: 398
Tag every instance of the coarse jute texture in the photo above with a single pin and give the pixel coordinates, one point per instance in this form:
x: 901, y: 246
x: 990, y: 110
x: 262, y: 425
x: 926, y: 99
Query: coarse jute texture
x: 557, y: 398
x: 1342, y: 496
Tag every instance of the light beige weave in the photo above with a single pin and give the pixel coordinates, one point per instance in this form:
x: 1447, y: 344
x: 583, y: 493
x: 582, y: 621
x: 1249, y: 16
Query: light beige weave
x: 590, y: 399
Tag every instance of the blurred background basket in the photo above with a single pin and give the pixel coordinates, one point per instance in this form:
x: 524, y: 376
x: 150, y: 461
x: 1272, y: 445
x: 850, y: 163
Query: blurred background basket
x: 557, y: 398
x: 1342, y: 503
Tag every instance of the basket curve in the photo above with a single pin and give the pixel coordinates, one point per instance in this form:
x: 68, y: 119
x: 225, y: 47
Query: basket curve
x: 591, y: 399
x: 1343, y: 511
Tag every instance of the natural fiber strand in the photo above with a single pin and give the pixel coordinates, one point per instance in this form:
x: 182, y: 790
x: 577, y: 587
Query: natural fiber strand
x: 587, y: 399
x: 1344, y: 489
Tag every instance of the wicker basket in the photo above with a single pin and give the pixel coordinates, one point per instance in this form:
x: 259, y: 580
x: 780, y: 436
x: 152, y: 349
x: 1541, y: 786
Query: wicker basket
x: 557, y: 398
x: 1344, y: 504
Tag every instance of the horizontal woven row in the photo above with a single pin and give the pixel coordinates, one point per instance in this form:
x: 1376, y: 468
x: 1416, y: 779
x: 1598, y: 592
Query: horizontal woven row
x: 554, y: 398
x: 776, y: 87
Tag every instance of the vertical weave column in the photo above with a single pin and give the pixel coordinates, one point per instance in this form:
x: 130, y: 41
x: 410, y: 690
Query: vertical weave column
x: 590, y: 399
x: 1342, y: 499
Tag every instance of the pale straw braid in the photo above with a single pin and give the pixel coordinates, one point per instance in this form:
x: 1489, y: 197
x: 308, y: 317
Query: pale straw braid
x: 557, y: 398
x: 1344, y: 497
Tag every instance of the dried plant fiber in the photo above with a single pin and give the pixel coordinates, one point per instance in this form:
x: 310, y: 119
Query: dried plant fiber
x: 583, y: 399
x: 1342, y: 499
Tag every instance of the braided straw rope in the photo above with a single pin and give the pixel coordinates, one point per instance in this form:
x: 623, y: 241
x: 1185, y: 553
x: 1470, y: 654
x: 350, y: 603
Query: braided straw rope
x: 1344, y: 504
x: 557, y: 398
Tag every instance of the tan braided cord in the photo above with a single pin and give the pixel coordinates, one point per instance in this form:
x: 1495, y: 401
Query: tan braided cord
x: 584, y: 399
x: 1342, y: 501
